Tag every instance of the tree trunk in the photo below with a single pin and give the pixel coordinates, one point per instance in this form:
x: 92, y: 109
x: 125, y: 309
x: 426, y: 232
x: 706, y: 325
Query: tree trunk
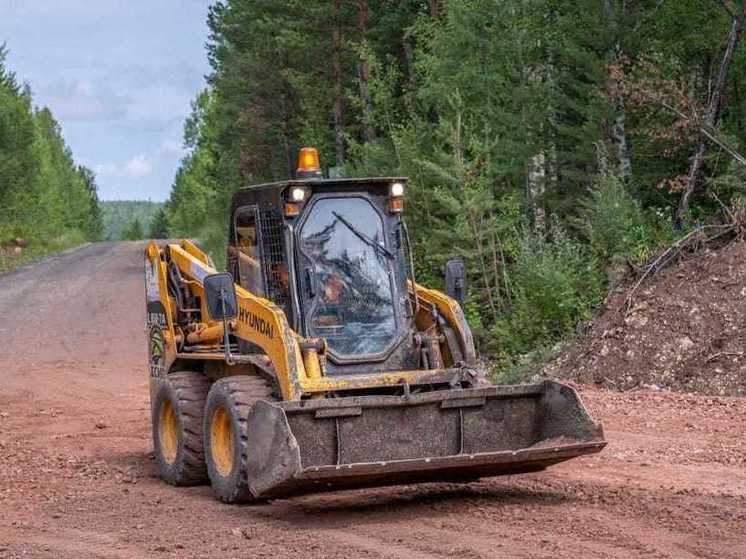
x: 408, y: 52
x: 409, y: 56
x: 551, y: 180
x: 618, y: 127
x: 290, y: 168
x: 363, y: 71
x: 339, y: 142
x: 535, y: 188
x: 619, y: 132
x: 712, y: 115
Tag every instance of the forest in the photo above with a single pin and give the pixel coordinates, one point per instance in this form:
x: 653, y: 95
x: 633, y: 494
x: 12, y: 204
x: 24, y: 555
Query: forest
x: 553, y: 145
x: 132, y: 220
x: 48, y: 202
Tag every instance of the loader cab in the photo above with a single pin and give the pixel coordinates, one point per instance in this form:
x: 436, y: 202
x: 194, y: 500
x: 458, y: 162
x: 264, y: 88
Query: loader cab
x: 332, y: 254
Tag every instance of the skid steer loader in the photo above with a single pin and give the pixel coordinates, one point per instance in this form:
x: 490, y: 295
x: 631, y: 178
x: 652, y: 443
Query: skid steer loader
x: 317, y: 362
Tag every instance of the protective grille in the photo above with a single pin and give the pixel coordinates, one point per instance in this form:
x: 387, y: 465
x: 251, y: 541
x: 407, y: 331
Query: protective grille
x: 273, y: 258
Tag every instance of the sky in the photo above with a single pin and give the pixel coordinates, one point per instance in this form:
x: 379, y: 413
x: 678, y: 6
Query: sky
x: 119, y: 76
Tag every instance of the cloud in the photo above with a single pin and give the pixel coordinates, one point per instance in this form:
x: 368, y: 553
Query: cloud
x: 171, y: 149
x: 136, y: 167
x: 136, y: 95
x: 106, y: 170
x: 83, y: 87
x: 80, y: 100
x: 118, y: 76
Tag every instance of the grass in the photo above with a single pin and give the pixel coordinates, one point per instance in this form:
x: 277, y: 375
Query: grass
x: 37, y: 250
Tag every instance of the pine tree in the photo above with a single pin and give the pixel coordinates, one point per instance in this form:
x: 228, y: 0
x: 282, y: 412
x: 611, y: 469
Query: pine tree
x: 508, y: 116
x: 17, y: 159
x: 134, y: 231
x: 159, y: 225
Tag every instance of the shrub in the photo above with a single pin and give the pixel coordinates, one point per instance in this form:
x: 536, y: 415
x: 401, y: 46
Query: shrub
x: 611, y: 220
x: 556, y: 285
x: 617, y: 228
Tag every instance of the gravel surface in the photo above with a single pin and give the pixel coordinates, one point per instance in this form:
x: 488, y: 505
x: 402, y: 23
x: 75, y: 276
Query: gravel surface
x: 77, y: 478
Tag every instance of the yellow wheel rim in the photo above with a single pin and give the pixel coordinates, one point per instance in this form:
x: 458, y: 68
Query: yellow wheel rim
x: 221, y: 441
x: 168, y: 432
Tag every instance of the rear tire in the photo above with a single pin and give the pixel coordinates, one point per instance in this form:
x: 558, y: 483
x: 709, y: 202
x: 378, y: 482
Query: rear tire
x: 178, y: 419
x: 225, y: 434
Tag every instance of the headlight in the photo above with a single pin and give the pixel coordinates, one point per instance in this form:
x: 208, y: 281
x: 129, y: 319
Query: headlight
x: 396, y: 189
x: 298, y: 194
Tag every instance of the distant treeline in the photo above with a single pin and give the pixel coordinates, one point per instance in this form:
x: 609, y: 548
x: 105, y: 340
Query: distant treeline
x: 47, y: 201
x: 130, y: 220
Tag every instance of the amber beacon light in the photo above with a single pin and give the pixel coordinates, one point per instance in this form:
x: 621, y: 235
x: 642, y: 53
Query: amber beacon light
x: 308, y: 163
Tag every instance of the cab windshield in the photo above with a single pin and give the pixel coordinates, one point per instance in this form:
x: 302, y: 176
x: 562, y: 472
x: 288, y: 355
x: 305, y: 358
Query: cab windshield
x: 351, y: 295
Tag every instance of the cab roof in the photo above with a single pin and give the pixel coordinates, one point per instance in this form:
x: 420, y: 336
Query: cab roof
x: 312, y: 181
x: 270, y: 194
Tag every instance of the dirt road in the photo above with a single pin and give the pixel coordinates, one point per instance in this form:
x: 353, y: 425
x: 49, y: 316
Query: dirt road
x: 77, y: 477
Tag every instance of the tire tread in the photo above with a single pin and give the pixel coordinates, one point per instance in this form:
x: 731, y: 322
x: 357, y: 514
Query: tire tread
x: 242, y: 393
x: 190, y: 389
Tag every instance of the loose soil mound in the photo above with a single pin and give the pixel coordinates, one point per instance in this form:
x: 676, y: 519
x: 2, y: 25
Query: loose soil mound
x: 686, y: 330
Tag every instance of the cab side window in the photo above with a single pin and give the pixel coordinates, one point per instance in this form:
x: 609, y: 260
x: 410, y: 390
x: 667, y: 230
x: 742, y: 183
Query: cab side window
x: 246, y: 251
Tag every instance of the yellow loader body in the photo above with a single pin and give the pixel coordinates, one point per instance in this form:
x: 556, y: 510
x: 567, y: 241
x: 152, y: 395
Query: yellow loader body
x: 418, y: 410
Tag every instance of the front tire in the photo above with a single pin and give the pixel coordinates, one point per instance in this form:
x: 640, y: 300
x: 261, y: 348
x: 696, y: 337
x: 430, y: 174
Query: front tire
x: 178, y: 419
x: 225, y: 429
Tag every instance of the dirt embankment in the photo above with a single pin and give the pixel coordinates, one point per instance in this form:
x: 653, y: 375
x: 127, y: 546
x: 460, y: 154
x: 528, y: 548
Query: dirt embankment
x: 77, y: 478
x: 685, y: 330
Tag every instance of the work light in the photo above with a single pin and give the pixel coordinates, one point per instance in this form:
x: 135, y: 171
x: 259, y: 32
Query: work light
x: 298, y: 194
x: 396, y: 189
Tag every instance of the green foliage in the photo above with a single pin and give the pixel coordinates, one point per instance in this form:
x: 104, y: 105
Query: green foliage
x: 134, y: 231
x: 466, y: 217
x: 616, y: 226
x: 612, y: 219
x: 64, y: 241
x: 528, y: 153
x: 45, y: 198
x: 119, y: 215
x: 159, y: 225
x: 557, y: 286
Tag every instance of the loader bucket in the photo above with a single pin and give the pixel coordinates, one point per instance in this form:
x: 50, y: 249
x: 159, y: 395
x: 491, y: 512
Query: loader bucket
x: 455, y: 435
